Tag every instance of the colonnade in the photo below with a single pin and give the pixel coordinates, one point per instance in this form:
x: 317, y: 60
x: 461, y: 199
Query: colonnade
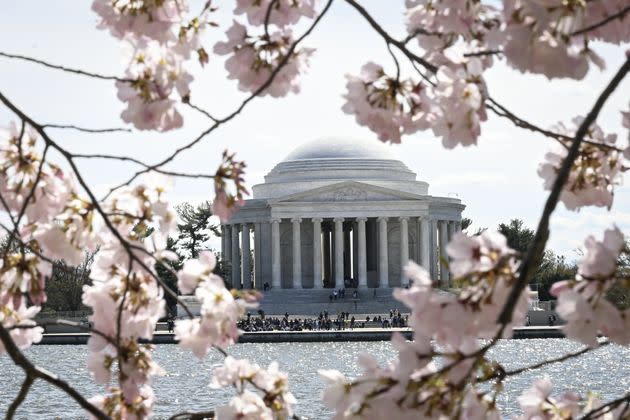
x: 433, y: 236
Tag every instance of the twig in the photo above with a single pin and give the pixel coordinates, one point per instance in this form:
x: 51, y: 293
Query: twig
x: 37, y: 373
x: 63, y: 68
x: 201, y: 110
x: 26, y: 386
x: 608, y: 407
x: 536, y: 249
x: 618, y: 15
x: 389, y: 39
x: 86, y: 130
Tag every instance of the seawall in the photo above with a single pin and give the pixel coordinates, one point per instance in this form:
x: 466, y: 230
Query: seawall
x: 361, y: 334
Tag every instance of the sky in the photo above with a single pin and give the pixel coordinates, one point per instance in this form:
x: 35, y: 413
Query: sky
x: 496, y: 179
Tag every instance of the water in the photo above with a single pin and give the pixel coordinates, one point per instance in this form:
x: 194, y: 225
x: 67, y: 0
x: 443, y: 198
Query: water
x: 185, y: 386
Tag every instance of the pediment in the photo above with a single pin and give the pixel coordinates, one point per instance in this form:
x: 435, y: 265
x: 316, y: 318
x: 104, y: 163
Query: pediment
x: 349, y: 191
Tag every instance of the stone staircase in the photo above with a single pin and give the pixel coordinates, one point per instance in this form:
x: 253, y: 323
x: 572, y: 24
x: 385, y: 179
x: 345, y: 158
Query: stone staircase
x: 314, y: 301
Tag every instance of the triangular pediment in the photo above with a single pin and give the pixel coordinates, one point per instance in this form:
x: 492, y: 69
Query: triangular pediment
x: 349, y: 191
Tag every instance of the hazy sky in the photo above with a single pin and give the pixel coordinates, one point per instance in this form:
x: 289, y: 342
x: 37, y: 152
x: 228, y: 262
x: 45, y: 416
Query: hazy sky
x: 497, y: 179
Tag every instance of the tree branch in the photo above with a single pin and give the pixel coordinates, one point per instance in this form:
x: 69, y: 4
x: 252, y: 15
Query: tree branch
x: 603, y: 22
x: 35, y: 372
x: 86, y: 130
x: 608, y: 407
x: 63, y: 68
x: 536, y: 249
x: 26, y: 386
x: 401, y: 45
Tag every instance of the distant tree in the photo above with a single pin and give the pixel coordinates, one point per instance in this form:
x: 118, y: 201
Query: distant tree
x: 619, y: 293
x: 518, y: 236
x: 65, y: 286
x: 466, y: 222
x: 195, y: 227
x: 552, y: 269
x: 166, y: 272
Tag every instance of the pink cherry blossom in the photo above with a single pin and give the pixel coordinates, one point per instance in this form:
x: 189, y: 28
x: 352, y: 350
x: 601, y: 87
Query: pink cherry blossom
x: 387, y: 106
x: 154, y: 19
x: 626, y: 123
x: 538, y: 38
x: 283, y: 13
x: 616, y: 31
x: 276, y: 402
x: 157, y: 73
x: 595, y: 172
x: 582, y: 302
x: 537, y: 403
x: 20, y: 315
x: 252, y: 60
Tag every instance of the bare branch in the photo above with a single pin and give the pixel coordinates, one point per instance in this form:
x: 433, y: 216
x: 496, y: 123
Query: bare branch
x: 86, y: 130
x: 201, y: 110
x: 536, y: 249
x: 401, y: 45
x: 31, y: 370
x: 608, y: 407
x: 619, y: 15
x: 26, y: 386
x: 62, y: 68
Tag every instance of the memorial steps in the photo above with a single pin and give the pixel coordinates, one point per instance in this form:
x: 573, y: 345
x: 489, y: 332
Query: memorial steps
x: 314, y: 301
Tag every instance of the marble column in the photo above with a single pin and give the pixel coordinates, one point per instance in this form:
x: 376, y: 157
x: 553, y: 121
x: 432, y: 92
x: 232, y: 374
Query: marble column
x: 228, y: 244
x: 247, y: 275
x: 327, y: 257
x: 276, y: 275
x: 258, y: 276
x: 297, y: 253
x: 443, y: 233
x: 317, y: 253
x: 451, y: 229
x: 458, y: 226
x: 361, y: 251
x: 338, y: 251
x: 434, y: 243
x: 425, y: 247
x: 347, y: 252
x: 236, y: 258
x: 404, y: 247
x: 223, y: 246
x: 382, y: 252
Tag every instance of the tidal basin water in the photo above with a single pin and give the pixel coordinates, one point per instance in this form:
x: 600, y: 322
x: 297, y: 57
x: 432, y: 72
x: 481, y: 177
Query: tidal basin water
x: 605, y: 371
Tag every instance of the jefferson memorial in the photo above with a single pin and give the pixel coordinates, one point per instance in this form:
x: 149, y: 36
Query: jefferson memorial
x: 338, y: 213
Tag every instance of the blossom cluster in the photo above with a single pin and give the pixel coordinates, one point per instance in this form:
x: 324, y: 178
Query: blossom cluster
x: 161, y: 37
x: 583, y: 303
x: 250, y: 381
x: 227, y: 200
x: 40, y: 200
x: 220, y: 310
x: 458, y: 40
x: 595, y: 172
x: 447, y: 327
x: 452, y: 107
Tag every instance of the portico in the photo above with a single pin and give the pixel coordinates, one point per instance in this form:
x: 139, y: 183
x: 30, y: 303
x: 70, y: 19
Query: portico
x: 339, y: 213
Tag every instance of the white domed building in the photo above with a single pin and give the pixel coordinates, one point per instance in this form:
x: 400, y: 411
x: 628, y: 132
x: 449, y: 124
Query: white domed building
x: 338, y: 213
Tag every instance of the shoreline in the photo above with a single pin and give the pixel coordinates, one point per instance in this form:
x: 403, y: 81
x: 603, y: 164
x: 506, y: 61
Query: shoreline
x: 359, y: 334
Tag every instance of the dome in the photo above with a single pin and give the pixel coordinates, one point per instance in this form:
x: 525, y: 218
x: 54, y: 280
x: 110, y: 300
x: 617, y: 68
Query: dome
x: 331, y: 160
x: 341, y: 148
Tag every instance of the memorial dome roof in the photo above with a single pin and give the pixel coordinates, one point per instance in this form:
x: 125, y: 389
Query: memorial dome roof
x: 331, y: 160
x: 340, y: 148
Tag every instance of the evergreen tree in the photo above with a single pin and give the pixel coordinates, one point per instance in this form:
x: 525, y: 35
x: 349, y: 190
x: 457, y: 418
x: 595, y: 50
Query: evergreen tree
x: 194, y: 227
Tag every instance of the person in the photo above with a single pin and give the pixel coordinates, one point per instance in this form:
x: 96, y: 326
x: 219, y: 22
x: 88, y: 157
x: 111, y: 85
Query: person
x: 374, y: 294
x: 170, y: 324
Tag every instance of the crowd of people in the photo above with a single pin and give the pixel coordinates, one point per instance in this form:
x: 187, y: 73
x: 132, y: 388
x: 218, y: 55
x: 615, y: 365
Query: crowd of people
x: 325, y: 321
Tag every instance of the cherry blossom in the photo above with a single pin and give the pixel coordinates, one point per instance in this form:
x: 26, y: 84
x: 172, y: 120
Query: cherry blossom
x: 228, y: 199
x: 582, y: 302
x: 538, y: 38
x: 626, y: 123
x: 276, y: 402
x: 616, y: 31
x: 537, y: 403
x: 459, y: 100
x: 252, y: 60
x: 20, y: 316
x: 388, y: 106
x: 149, y: 18
x: 283, y: 12
x: 156, y: 74
x: 23, y: 273
x: 595, y: 172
